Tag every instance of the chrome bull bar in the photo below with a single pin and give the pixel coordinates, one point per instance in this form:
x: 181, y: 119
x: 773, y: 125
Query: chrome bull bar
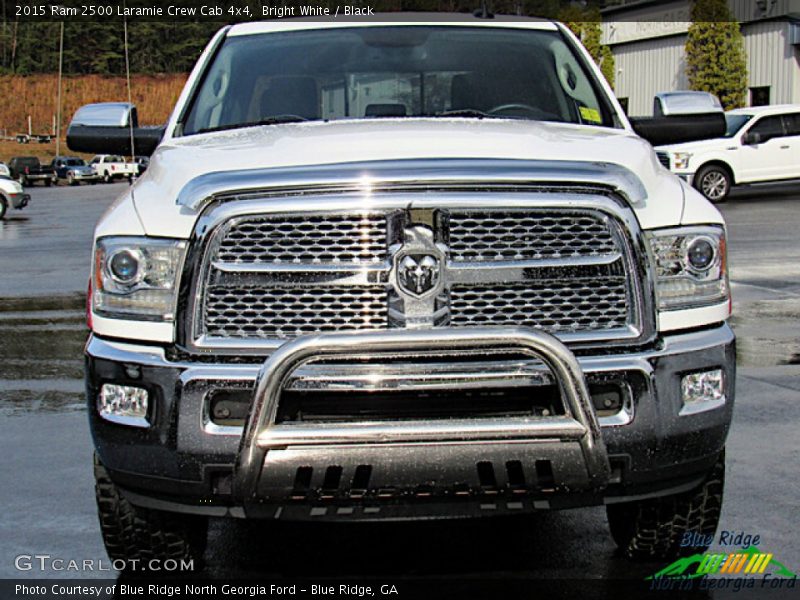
x: 263, y: 434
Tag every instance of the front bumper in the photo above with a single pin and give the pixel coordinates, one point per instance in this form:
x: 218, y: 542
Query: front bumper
x: 687, y: 176
x: 88, y: 176
x: 41, y: 177
x: 428, y: 468
x: 19, y: 201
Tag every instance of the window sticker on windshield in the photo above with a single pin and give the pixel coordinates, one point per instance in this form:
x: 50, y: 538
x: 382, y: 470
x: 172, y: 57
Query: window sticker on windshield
x: 590, y: 114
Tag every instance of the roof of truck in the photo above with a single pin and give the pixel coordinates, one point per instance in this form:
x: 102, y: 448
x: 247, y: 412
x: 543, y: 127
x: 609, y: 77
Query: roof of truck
x: 395, y: 19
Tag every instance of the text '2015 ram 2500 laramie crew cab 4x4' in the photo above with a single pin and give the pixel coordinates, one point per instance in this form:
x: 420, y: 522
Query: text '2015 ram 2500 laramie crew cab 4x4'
x: 389, y: 270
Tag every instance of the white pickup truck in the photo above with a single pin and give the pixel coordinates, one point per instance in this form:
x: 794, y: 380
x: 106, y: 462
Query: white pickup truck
x: 110, y: 167
x: 761, y: 144
x: 404, y: 270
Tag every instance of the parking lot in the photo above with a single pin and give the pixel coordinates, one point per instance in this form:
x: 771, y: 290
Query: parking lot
x: 47, y: 490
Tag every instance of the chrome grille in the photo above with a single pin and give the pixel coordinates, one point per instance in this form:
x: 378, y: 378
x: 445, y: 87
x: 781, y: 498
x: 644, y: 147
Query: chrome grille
x: 663, y: 158
x: 284, y: 312
x: 505, y: 236
x: 550, y: 305
x: 555, y: 265
x: 313, y: 239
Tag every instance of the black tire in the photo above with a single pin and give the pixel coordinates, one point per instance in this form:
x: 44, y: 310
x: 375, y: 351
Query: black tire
x: 106, y: 177
x: 71, y: 179
x: 653, y: 529
x: 3, y: 208
x: 714, y: 182
x: 48, y: 182
x: 131, y: 532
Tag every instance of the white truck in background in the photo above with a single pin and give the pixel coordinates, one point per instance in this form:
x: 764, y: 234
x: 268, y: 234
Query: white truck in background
x: 761, y: 145
x: 110, y: 167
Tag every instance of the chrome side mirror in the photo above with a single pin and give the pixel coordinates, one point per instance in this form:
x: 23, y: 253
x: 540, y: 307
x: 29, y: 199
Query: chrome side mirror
x: 105, y: 128
x: 106, y: 114
x: 753, y: 138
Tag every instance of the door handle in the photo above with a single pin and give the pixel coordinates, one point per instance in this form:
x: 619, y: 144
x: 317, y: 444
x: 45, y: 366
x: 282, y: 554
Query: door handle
x: 784, y: 147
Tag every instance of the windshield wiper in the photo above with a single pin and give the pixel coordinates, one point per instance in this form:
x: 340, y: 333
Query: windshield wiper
x: 273, y: 120
x: 466, y: 113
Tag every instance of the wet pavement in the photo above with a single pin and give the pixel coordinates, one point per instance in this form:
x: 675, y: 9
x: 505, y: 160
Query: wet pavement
x: 45, y: 249
x: 46, y: 486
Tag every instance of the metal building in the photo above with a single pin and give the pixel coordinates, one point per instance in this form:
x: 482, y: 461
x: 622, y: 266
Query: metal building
x: 647, y: 38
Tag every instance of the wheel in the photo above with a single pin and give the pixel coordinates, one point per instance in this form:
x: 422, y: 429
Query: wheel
x: 106, y: 177
x: 71, y: 179
x: 653, y: 529
x: 132, y: 532
x: 93, y: 182
x: 48, y: 182
x: 714, y: 182
x: 3, y: 208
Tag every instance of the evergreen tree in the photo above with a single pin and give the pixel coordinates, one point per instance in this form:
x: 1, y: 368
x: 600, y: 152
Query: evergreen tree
x: 716, y: 60
x: 585, y: 24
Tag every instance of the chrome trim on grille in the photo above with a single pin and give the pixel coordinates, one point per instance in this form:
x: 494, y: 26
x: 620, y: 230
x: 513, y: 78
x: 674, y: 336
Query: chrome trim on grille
x: 402, y: 209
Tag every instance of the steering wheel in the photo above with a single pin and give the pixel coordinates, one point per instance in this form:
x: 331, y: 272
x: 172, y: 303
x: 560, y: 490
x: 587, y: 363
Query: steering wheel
x: 514, y: 106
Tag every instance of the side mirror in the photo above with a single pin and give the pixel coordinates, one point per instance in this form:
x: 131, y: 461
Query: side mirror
x: 678, y: 129
x: 753, y: 138
x: 105, y: 128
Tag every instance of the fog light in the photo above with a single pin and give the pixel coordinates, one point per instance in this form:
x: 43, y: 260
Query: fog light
x: 702, y: 391
x: 123, y: 404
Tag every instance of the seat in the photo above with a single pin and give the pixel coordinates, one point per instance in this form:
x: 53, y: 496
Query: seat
x: 291, y: 96
x: 465, y: 93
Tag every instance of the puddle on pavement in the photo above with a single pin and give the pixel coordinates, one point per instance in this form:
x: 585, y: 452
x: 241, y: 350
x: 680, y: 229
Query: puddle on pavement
x: 767, y: 332
x: 41, y: 354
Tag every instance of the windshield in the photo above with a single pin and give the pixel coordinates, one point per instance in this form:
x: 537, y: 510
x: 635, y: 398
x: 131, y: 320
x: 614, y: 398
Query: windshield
x: 407, y: 71
x: 735, y: 123
x: 74, y: 162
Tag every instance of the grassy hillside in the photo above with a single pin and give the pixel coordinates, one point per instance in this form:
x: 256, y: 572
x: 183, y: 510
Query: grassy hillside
x: 36, y: 95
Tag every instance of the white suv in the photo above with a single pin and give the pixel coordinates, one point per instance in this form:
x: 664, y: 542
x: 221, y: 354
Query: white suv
x: 762, y: 144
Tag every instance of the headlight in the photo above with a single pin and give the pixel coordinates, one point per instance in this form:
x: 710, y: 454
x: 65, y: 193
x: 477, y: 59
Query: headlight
x: 136, y: 278
x: 681, y: 160
x: 690, y: 265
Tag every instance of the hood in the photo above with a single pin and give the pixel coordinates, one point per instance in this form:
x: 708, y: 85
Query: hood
x: 10, y: 186
x: 179, y: 160
x: 697, y: 146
